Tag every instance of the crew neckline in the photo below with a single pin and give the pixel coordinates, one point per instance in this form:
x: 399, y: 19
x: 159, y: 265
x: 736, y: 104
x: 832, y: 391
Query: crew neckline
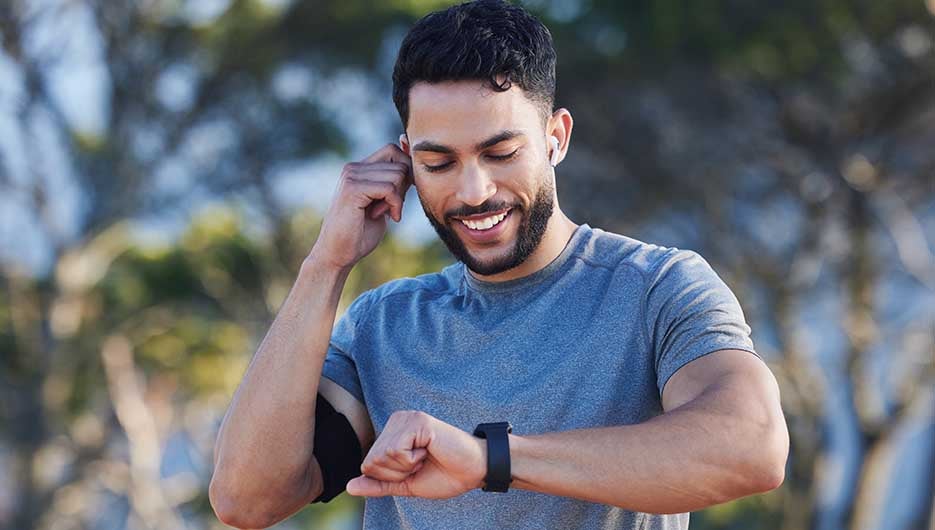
x: 577, y: 237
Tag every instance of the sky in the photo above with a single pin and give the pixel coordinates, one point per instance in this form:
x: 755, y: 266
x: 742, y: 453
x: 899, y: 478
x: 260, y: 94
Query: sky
x: 77, y: 77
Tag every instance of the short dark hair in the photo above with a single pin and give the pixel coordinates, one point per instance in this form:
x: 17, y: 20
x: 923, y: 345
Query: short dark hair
x: 478, y: 40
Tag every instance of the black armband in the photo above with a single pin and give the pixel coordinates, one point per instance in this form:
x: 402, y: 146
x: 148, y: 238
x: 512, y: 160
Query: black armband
x: 336, y: 448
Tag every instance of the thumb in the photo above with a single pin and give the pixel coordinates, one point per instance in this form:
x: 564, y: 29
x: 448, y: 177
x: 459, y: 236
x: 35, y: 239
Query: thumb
x: 364, y: 486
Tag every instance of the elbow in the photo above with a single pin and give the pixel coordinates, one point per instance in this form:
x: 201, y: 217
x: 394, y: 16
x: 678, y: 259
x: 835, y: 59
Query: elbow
x: 759, y: 467
x: 223, y: 503
x: 750, y: 477
x: 768, y: 451
x: 766, y: 468
x: 234, y: 509
x: 774, y: 464
x: 255, y: 502
x: 768, y: 477
x: 226, y: 507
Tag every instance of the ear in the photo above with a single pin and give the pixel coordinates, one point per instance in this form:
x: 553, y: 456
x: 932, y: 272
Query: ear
x: 406, y: 148
x: 559, y: 126
x: 404, y: 143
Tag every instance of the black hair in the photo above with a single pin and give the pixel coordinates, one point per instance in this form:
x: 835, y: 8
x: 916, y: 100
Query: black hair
x: 478, y: 40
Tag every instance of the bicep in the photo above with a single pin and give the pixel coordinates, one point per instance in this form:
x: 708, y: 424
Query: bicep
x: 734, y: 393
x: 355, y: 411
x: 745, y: 378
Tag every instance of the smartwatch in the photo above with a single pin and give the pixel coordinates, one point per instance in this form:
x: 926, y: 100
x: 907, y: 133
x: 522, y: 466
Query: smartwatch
x: 498, y: 455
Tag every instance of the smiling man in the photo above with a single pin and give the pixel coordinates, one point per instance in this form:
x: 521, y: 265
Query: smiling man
x: 556, y: 376
x: 492, y: 202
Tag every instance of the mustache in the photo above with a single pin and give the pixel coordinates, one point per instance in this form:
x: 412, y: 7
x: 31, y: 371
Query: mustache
x: 485, y: 207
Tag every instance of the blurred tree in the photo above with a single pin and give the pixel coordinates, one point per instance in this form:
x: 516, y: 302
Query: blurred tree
x: 787, y: 142
x: 194, y: 109
x: 792, y: 145
x: 149, y: 343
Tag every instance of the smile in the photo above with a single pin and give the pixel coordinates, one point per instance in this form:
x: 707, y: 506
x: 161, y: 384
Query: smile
x: 485, y: 223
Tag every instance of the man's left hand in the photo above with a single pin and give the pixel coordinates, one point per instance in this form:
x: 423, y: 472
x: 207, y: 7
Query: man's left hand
x: 418, y: 455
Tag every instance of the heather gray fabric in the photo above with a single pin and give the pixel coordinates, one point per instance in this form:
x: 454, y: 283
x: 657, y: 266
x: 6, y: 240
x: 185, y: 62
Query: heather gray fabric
x: 588, y: 341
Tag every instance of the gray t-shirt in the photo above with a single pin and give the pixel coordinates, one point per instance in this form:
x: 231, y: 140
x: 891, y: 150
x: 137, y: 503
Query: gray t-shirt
x: 588, y: 341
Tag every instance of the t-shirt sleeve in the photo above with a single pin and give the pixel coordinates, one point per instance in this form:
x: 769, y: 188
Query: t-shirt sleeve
x: 340, y: 365
x: 690, y: 312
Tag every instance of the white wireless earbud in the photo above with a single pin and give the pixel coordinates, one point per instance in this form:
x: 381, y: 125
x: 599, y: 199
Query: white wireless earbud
x: 554, y: 159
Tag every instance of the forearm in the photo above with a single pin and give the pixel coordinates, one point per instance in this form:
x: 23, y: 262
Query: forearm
x: 265, y: 440
x: 700, y: 454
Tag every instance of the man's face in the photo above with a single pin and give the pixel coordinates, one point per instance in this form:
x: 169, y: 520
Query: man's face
x: 481, y: 170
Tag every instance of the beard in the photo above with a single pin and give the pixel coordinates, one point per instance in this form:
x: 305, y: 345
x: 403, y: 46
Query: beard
x: 531, y: 230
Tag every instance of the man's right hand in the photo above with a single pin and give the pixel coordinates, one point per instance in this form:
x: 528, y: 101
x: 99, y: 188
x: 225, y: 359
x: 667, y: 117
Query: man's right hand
x: 367, y: 191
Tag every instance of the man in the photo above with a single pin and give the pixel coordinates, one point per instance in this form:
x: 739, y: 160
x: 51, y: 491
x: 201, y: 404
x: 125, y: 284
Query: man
x: 625, y: 369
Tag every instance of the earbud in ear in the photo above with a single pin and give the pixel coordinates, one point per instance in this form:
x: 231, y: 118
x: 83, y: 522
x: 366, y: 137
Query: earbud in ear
x: 554, y: 159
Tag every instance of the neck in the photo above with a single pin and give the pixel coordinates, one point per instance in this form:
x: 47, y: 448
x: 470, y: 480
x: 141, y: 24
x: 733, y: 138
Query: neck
x: 554, y: 240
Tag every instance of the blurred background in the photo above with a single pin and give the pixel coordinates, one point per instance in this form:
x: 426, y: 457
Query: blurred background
x: 164, y: 166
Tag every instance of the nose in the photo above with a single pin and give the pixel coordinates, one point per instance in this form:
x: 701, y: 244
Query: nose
x: 475, y: 186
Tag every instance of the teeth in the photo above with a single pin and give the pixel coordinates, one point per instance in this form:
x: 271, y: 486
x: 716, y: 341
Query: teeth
x: 486, y: 223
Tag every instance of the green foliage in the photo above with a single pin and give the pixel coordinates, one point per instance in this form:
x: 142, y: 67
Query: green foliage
x: 775, y: 41
x: 194, y: 310
x: 645, y: 79
x: 758, y: 512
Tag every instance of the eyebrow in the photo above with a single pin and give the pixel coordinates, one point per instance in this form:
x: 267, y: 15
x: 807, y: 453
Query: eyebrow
x: 427, y: 145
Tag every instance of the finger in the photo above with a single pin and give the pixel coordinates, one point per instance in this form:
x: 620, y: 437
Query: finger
x: 393, y: 208
x: 393, y: 167
x: 385, y: 172
x: 409, y: 178
x: 396, y: 446
x: 399, y: 459
x: 368, y: 487
x: 399, y: 184
x: 408, y: 458
x: 377, y: 460
x: 389, y: 153
x: 393, y: 153
x: 388, y: 468
x: 384, y: 199
x: 385, y: 473
x: 403, y: 160
x: 371, y: 191
x: 378, y: 209
x: 378, y: 172
x: 395, y: 173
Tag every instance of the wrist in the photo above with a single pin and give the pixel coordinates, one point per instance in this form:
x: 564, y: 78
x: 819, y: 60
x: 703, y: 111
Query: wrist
x: 498, y: 474
x: 517, y: 444
x: 518, y: 463
x: 479, y: 476
x: 316, y: 261
x: 317, y: 279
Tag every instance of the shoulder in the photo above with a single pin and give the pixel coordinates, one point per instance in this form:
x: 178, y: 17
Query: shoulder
x: 617, y: 251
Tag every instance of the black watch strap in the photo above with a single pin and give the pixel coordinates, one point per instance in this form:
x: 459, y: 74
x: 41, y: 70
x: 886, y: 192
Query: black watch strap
x: 498, y: 454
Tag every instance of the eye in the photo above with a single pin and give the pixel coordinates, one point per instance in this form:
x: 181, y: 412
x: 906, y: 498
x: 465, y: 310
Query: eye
x: 435, y: 169
x: 505, y: 157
